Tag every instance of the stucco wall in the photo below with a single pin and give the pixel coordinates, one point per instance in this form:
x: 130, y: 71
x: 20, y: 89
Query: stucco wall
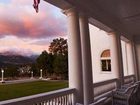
x: 138, y: 57
x: 100, y: 41
x: 124, y: 56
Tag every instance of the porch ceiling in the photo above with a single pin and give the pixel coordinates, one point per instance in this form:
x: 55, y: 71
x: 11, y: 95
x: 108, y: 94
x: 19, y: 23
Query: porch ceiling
x: 122, y: 16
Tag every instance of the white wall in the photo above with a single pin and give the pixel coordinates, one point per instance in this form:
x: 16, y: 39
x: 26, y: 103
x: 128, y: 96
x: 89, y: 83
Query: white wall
x: 125, y: 58
x: 128, y: 60
x: 100, y: 41
x: 138, y: 57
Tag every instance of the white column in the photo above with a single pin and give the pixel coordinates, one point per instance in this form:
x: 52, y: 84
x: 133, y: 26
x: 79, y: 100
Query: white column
x: 86, y: 60
x: 74, y: 54
x: 135, y: 62
x: 124, y: 55
x: 116, y: 57
x: 130, y: 59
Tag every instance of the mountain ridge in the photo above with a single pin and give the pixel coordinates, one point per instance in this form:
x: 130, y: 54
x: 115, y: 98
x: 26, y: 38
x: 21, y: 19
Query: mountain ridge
x: 12, y: 58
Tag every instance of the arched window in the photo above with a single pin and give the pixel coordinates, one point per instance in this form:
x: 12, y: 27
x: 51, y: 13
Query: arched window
x: 106, y: 60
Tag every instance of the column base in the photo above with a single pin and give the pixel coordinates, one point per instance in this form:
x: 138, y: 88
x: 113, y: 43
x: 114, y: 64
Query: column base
x: 40, y: 77
x: 2, y: 81
x: 32, y: 78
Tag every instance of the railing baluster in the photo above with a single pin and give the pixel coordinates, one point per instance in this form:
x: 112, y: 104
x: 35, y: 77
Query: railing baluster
x: 64, y: 100
x: 54, y: 101
x: 72, y: 101
x: 61, y: 100
x: 59, y: 97
x: 67, y: 100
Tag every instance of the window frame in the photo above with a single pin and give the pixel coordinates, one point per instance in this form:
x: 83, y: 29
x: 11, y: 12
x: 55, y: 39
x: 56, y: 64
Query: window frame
x: 106, y: 59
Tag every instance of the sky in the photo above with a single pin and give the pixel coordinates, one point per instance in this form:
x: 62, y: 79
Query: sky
x: 25, y: 31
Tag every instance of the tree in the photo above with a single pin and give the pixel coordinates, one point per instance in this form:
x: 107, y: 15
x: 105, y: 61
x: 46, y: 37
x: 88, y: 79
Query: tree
x: 42, y: 62
x: 49, y: 62
x: 60, y: 66
x: 55, y: 62
x: 34, y: 69
x: 59, y: 46
x: 59, y: 49
x: 11, y: 71
x: 45, y: 62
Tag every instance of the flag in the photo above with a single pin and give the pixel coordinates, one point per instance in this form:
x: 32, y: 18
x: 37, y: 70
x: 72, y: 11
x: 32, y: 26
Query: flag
x: 35, y: 5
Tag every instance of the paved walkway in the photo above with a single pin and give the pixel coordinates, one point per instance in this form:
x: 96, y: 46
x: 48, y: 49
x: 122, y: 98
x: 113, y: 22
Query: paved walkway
x: 20, y: 81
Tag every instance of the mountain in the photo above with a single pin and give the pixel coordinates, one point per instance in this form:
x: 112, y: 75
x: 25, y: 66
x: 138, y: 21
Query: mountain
x: 11, y: 58
x: 33, y: 57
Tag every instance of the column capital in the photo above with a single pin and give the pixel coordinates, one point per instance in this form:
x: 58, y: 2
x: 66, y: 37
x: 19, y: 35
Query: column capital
x: 113, y: 33
x: 70, y: 11
x: 83, y: 14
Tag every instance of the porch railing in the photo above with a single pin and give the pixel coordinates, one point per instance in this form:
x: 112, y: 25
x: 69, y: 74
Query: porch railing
x: 102, y: 92
x: 58, y: 97
x: 129, y: 79
x: 104, y: 86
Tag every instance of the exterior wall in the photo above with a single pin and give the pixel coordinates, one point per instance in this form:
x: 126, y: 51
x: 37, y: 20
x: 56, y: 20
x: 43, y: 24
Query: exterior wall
x: 125, y: 58
x: 130, y: 59
x: 100, y: 41
x: 138, y: 57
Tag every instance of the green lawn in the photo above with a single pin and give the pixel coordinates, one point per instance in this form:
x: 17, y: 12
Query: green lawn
x: 10, y: 91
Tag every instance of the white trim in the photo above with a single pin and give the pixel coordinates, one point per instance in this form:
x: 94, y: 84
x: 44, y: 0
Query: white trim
x: 105, y: 58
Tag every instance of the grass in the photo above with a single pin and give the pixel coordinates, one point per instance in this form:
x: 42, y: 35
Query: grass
x: 10, y: 91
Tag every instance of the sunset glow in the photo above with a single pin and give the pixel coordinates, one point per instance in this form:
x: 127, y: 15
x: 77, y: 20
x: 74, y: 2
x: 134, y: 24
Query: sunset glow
x: 22, y: 29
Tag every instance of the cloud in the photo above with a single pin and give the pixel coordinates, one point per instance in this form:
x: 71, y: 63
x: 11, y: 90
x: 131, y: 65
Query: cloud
x: 18, y: 18
x: 10, y: 43
x: 18, y: 51
x: 45, y: 41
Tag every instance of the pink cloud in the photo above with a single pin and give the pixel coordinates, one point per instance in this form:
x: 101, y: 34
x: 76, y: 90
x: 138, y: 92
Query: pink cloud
x: 13, y: 43
x: 18, y: 18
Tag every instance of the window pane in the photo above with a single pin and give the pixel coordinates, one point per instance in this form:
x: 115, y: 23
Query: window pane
x: 106, y: 65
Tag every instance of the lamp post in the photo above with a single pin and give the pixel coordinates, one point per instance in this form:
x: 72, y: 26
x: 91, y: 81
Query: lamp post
x: 40, y: 74
x: 31, y: 74
x: 2, y: 76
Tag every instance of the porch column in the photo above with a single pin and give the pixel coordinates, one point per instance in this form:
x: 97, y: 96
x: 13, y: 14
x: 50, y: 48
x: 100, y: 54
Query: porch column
x: 74, y: 54
x: 135, y: 61
x: 86, y: 60
x: 130, y: 59
x: 116, y: 57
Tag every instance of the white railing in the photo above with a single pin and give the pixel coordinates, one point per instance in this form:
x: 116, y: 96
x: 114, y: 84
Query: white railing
x: 129, y: 79
x: 103, y: 90
x: 104, y: 86
x: 58, y: 97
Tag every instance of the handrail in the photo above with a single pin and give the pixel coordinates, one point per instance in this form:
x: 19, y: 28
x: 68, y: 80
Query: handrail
x: 107, y: 93
x: 104, y: 86
x: 66, y: 93
x: 129, y: 76
x: 129, y: 79
x: 105, y: 82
